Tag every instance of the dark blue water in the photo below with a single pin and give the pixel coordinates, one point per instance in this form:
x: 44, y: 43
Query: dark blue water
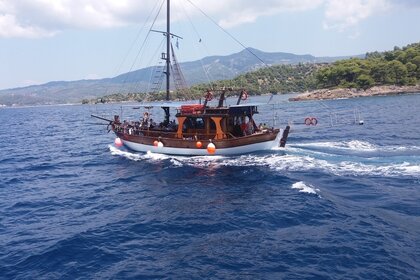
x: 340, y: 202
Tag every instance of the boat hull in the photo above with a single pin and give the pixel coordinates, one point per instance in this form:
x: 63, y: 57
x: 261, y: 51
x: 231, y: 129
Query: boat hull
x: 185, y: 147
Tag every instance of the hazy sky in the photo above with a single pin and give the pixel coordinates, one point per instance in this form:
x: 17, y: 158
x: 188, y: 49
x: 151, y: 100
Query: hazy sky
x: 50, y: 40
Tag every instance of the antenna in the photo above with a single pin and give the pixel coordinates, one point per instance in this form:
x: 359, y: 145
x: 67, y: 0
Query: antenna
x: 168, y: 49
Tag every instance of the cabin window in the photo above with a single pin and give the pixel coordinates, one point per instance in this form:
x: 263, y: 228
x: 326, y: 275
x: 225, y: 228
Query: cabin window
x: 199, y: 123
x: 194, y: 123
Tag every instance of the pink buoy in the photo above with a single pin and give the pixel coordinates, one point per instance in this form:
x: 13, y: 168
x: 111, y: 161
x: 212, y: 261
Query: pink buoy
x: 118, y: 142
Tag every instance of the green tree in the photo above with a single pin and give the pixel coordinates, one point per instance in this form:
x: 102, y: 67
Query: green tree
x: 397, y: 72
x: 411, y: 69
x: 365, y: 81
x: 379, y: 72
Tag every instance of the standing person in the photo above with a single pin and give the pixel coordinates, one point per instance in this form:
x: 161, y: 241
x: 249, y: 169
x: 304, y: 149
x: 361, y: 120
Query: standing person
x: 145, y: 120
x: 244, y: 126
x: 250, y: 127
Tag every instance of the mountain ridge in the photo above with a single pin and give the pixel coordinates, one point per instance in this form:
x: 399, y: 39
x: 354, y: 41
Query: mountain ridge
x: 218, y: 67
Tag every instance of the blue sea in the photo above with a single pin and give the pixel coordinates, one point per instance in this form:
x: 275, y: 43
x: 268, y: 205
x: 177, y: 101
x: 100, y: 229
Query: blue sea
x: 341, y: 201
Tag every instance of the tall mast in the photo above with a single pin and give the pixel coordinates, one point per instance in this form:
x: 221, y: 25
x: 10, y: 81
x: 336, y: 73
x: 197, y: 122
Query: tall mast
x: 168, y: 47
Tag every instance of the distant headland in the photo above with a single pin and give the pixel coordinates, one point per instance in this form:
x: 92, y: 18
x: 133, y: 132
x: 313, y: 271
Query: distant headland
x: 338, y: 93
x: 387, y: 73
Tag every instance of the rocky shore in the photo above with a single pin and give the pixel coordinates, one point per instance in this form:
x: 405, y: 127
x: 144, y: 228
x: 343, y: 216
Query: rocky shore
x: 353, y: 92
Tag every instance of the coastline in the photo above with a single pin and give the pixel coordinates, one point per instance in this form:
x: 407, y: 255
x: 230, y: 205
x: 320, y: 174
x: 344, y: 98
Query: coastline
x: 339, y: 93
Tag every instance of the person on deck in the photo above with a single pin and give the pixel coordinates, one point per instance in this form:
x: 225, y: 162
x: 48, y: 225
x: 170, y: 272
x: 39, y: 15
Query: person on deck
x: 250, y: 127
x: 244, y: 127
x: 237, y: 130
x: 145, y: 121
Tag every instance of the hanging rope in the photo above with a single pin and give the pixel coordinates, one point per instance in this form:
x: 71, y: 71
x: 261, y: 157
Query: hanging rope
x: 230, y: 35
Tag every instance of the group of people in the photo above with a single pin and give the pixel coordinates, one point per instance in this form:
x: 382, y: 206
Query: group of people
x: 246, y: 126
x: 147, y: 122
x: 262, y: 126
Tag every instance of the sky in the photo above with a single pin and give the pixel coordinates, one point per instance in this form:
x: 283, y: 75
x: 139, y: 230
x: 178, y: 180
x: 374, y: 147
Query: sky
x: 66, y: 40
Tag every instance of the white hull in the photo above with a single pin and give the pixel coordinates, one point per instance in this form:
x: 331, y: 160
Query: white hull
x: 268, y: 145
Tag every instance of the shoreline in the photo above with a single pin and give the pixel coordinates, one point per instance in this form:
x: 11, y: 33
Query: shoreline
x: 341, y: 93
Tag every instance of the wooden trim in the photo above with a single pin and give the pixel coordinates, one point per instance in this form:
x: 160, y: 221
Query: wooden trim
x: 219, y: 132
x: 180, y: 125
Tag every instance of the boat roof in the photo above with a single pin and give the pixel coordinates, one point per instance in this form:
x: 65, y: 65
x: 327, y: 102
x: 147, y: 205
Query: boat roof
x: 151, y: 105
x: 248, y: 104
x: 179, y: 104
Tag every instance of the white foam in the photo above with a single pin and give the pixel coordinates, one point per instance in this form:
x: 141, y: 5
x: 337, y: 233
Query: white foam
x: 356, y: 145
x: 155, y: 156
x: 361, y: 146
x: 117, y: 152
x: 305, y: 188
x: 346, y: 145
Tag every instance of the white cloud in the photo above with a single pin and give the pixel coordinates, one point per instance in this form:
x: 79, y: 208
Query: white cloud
x: 37, y: 18
x: 247, y: 11
x: 341, y: 15
x: 9, y: 27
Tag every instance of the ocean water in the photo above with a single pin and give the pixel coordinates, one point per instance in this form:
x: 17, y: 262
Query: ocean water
x: 341, y: 201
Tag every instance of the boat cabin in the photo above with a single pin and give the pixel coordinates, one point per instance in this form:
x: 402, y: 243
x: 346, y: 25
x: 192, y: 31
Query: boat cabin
x: 203, y: 123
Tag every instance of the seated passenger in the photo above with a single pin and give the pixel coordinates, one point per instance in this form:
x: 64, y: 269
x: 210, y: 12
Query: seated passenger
x: 243, y: 128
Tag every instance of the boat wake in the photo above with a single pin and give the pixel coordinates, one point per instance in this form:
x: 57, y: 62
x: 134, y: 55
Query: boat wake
x: 357, y: 147
x: 302, y: 158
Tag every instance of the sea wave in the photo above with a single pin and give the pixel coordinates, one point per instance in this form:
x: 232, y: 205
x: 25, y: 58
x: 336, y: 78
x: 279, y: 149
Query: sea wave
x: 305, y: 188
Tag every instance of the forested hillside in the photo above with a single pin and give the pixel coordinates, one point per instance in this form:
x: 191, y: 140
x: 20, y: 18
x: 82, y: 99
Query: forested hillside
x: 397, y: 67
x: 275, y: 79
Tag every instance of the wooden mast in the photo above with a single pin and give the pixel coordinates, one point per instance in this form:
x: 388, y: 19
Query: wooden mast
x: 168, y: 47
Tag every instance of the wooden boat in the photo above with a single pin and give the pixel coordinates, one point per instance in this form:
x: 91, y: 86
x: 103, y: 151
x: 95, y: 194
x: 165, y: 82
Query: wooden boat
x: 199, y: 129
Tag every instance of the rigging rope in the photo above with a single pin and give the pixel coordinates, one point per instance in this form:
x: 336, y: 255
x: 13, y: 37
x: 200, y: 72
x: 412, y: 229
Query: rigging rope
x: 140, y: 52
x: 147, y: 36
x: 206, y: 72
x: 225, y: 31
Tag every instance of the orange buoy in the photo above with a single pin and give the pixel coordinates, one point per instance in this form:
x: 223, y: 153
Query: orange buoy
x: 156, y: 143
x: 211, y: 148
x: 118, y: 142
x: 198, y: 144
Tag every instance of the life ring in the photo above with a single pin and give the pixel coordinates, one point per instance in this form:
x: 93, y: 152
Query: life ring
x: 208, y: 96
x: 244, y: 95
x: 311, y: 121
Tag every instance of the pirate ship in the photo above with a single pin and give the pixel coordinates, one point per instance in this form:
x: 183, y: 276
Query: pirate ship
x: 198, y: 129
